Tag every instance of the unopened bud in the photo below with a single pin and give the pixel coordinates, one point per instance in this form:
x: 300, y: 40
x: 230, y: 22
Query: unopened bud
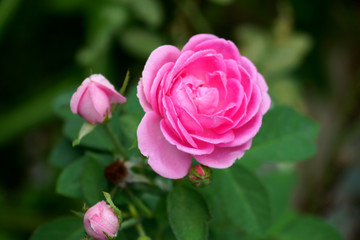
x: 200, y: 175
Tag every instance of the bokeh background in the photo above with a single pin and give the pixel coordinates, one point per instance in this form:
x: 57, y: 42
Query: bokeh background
x: 308, y: 52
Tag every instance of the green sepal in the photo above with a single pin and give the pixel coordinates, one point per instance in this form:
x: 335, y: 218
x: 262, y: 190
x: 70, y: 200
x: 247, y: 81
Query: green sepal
x: 113, y: 207
x: 109, y: 237
x: 85, y: 129
x: 107, y: 117
x: 126, y: 81
x: 79, y: 214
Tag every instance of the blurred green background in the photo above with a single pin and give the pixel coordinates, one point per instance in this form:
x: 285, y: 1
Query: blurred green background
x: 308, y: 52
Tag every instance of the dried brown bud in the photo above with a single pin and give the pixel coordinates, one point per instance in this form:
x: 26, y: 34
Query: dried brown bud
x: 116, y: 172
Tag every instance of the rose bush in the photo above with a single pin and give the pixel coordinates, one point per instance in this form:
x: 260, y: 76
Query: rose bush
x: 93, y: 99
x: 101, y: 219
x: 205, y: 101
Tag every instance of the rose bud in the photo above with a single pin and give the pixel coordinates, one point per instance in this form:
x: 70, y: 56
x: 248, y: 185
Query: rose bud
x: 100, y: 220
x: 93, y: 99
x: 200, y: 175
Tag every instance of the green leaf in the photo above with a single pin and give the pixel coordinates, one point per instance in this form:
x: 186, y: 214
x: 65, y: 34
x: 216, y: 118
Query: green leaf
x: 285, y: 135
x: 280, y: 186
x: 63, y: 154
x: 85, y: 129
x: 68, y: 183
x: 93, y: 182
x: 305, y: 227
x: 238, y: 201
x: 67, y: 228
x: 98, y: 139
x: 188, y: 214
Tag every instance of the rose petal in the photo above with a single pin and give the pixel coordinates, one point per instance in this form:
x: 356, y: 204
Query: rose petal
x: 141, y: 96
x: 253, y: 105
x: 164, y: 158
x: 196, y: 40
x: 249, y: 67
x: 100, y: 79
x: 214, y: 138
x: 75, y: 99
x: 266, y: 101
x: 245, y: 132
x: 156, y: 60
x: 265, y: 104
x: 87, y: 108
x: 160, y: 77
x: 201, y: 147
x: 223, y: 157
x: 100, y: 100
x: 225, y: 47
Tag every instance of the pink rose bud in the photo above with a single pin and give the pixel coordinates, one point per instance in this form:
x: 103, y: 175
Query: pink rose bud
x: 93, y: 99
x: 200, y: 175
x: 101, y: 219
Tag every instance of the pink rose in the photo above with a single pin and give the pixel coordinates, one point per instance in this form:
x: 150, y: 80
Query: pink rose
x: 101, y: 218
x: 205, y: 101
x: 93, y: 99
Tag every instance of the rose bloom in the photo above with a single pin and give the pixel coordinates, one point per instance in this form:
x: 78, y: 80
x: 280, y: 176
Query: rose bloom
x: 93, y: 99
x: 101, y: 218
x: 205, y: 101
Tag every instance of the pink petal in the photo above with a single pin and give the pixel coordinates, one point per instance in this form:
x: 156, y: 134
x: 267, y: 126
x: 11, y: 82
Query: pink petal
x: 114, y: 96
x: 100, y: 100
x: 265, y: 104
x: 196, y: 40
x: 75, y: 99
x: 261, y: 83
x: 266, y: 101
x: 253, y: 105
x: 100, y: 79
x: 249, y: 67
x: 245, y: 132
x: 87, y: 109
x: 189, y: 120
x: 224, y: 47
x: 141, y: 96
x: 160, y: 77
x: 201, y: 147
x: 164, y: 158
x: 223, y: 157
x: 214, y: 138
x: 156, y: 60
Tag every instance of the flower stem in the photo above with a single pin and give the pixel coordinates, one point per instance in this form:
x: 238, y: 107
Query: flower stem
x: 140, y: 229
x: 139, y: 203
x: 118, y: 146
x: 128, y: 223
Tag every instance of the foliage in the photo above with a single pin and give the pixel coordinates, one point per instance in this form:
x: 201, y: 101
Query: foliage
x: 239, y: 202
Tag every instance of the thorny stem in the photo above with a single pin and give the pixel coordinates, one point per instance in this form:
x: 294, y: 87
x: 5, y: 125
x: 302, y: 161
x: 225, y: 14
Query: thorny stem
x: 119, y: 148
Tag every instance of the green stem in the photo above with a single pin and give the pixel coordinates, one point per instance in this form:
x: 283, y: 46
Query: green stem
x: 139, y: 203
x: 128, y: 223
x: 113, y: 191
x: 119, y: 148
x: 140, y: 229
